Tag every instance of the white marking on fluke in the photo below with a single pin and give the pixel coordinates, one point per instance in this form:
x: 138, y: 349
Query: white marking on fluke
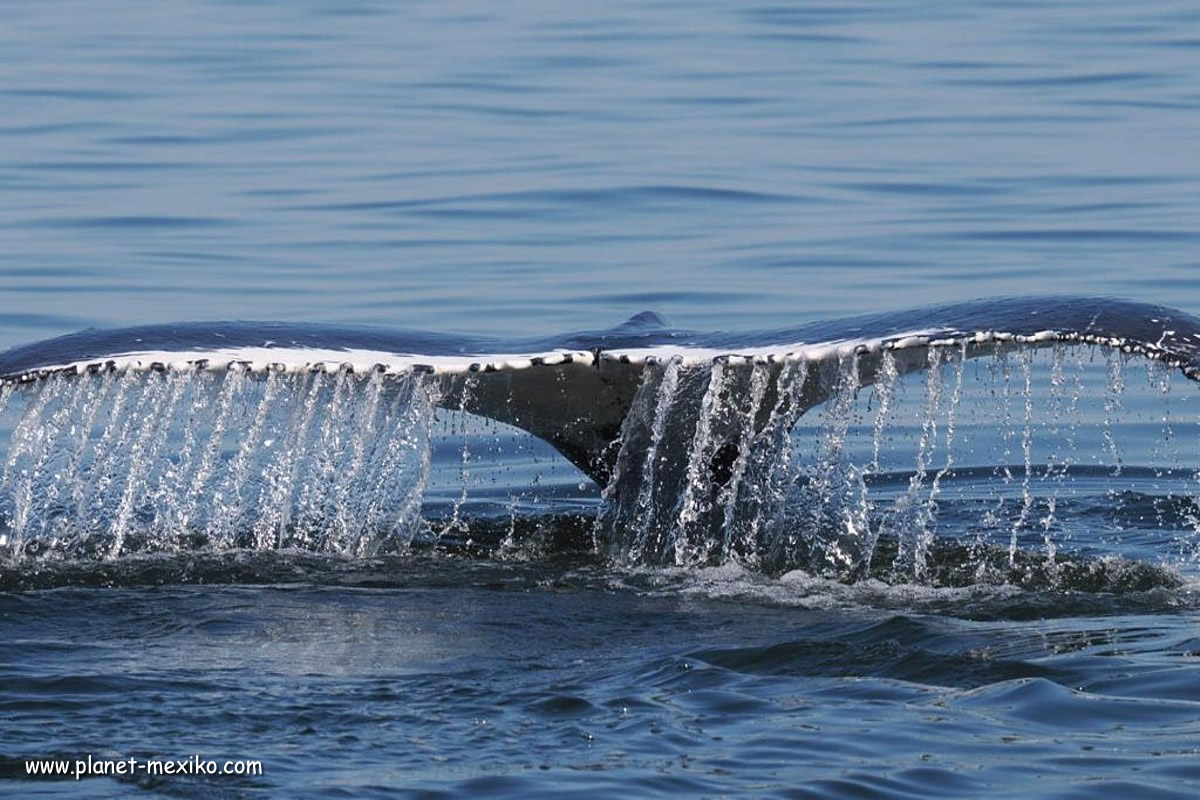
x: 262, y: 360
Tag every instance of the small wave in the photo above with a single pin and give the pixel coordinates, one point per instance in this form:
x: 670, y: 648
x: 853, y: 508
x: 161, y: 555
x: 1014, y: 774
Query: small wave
x: 976, y: 601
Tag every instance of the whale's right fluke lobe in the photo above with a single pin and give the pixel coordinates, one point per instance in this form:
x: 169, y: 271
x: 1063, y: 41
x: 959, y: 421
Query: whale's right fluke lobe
x: 912, y: 341
x: 697, y: 477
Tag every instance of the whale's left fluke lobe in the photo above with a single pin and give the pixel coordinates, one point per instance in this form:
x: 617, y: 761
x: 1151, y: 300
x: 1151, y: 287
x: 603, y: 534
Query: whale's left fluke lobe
x: 576, y: 390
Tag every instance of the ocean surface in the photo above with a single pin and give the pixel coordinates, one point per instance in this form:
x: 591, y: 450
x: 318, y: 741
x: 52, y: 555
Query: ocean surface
x: 983, y: 579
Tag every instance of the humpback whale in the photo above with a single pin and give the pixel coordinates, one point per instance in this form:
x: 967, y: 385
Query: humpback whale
x: 683, y: 430
x: 575, y: 390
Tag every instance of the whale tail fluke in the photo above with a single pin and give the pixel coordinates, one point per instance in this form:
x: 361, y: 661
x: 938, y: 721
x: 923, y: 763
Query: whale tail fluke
x: 687, y: 433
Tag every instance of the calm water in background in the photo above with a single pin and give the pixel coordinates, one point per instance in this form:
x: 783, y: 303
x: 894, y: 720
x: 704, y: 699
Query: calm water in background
x: 538, y: 168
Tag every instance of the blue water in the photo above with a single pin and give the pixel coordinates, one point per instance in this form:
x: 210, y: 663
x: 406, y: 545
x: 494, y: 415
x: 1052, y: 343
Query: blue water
x: 535, y: 168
